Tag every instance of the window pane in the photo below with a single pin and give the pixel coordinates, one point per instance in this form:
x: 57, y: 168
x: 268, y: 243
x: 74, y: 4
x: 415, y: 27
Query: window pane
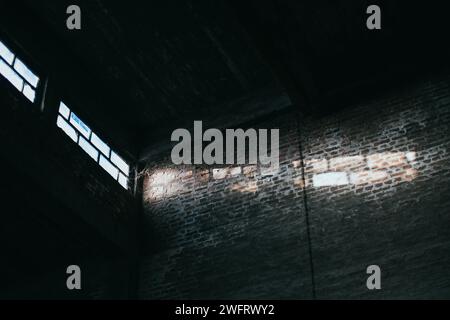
x: 23, y: 70
x: 123, y: 181
x: 29, y: 93
x: 6, y: 54
x: 64, y: 111
x: 11, y: 75
x: 79, y: 125
x: 67, y: 128
x: 96, y: 148
x: 103, y: 147
x: 89, y: 148
x: 120, y: 163
x: 109, y: 167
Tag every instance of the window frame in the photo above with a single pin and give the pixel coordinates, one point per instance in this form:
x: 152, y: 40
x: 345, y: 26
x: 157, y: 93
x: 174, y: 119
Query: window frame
x: 100, y: 153
x: 46, y: 101
x: 31, y: 64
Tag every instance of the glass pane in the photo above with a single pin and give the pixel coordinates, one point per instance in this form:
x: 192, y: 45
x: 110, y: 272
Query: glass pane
x: 28, y: 75
x: 29, y: 93
x: 123, y: 181
x: 89, y: 148
x: 11, y: 75
x: 103, y: 147
x: 6, y: 54
x: 67, y: 128
x: 118, y: 161
x: 64, y: 110
x: 79, y: 125
x: 109, y: 167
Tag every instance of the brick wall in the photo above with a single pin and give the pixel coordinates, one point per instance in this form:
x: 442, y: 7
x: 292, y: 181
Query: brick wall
x: 376, y: 178
x: 389, y: 203
x: 226, y: 232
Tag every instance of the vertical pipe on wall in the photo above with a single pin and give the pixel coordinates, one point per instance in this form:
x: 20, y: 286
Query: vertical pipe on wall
x: 305, y: 201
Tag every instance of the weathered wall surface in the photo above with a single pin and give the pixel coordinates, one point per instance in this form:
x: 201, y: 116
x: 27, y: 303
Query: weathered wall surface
x: 377, y: 185
x: 226, y: 232
x: 387, y: 203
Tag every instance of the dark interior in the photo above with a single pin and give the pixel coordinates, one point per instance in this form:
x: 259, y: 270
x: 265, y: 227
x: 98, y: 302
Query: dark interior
x: 138, y: 70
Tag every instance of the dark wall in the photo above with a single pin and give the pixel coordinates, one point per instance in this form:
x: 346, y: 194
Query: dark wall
x: 58, y: 206
x: 230, y: 232
x: 393, y: 212
x: 241, y: 232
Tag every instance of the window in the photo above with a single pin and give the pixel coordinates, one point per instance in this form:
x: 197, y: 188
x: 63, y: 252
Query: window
x: 98, y: 150
x: 17, y: 73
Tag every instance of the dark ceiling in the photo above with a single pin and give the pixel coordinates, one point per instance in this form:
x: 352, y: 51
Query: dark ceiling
x: 322, y: 49
x: 169, y: 62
